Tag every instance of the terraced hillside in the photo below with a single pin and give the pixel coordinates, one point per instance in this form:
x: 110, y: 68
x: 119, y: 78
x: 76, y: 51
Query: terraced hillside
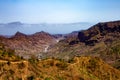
x: 79, y: 68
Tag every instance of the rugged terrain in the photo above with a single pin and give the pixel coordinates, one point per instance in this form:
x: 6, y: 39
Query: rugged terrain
x: 13, y: 67
x: 92, y: 54
x: 101, y: 40
x: 27, y: 45
x: 79, y: 68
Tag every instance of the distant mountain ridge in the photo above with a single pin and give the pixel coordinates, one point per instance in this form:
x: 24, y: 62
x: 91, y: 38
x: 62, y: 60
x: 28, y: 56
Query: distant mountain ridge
x: 15, y: 23
x: 55, y: 28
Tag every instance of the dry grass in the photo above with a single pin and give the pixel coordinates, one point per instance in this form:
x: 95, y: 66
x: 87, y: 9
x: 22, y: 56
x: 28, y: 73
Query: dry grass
x: 81, y: 68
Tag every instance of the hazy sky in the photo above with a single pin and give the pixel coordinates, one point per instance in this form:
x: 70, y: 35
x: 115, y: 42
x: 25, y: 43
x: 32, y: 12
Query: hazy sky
x: 59, y: 11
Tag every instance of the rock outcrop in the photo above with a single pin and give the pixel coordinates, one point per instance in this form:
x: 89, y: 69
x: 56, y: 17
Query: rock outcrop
x: 100, y: 32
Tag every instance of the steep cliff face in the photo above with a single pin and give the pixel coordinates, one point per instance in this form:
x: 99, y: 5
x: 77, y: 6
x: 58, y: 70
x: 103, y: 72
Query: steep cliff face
x: 100, y: 32
x: 27, y: 45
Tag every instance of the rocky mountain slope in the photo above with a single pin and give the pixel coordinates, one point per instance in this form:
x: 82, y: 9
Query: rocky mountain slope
x: 106, y: 32
x: 27, y: 45
x: 92, y: 55
x: 101, y: 40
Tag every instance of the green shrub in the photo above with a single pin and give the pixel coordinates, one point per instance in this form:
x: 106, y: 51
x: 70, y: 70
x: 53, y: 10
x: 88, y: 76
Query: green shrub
x: 60, y: 78
x: 8, y: 62
x: 48, y: 78
x: 93, y: 64
x: 18, y: 78
x: 116, y: 49
x: 62, y: 65
x: 21, y: 65
x: 71, y: 60
x: 11, y: 71
x: 81, y: 78
x: 33, y: 60
x: 30, y: 77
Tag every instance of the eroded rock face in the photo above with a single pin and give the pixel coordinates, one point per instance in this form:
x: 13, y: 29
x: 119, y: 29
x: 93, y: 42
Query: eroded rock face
x: 100, y: 32
x: 27, y: 45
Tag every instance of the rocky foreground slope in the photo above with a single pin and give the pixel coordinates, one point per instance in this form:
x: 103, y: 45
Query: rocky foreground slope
x: 79, y: 68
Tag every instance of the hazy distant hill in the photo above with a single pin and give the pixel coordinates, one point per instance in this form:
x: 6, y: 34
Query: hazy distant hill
x: 13, y: 27
x: 15, y: 23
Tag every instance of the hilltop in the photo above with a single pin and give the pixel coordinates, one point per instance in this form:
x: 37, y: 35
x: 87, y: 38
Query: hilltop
x: 101, y: 32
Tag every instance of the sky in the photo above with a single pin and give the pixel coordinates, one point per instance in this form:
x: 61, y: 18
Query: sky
x: 59, y: 11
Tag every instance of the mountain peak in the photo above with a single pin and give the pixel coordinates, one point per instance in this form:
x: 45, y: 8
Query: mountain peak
x: 19, y: 34
x: 111, y: 24
x: 41, y: 33
x: 15, y: 23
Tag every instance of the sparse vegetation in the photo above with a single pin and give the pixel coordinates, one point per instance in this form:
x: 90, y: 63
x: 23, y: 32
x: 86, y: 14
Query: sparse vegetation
x: 8, y: 54
x: 48, y: 78
x: 61, y: 63
x: 30, y: 78
x: 88, y: 68
x: 21, y: 65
